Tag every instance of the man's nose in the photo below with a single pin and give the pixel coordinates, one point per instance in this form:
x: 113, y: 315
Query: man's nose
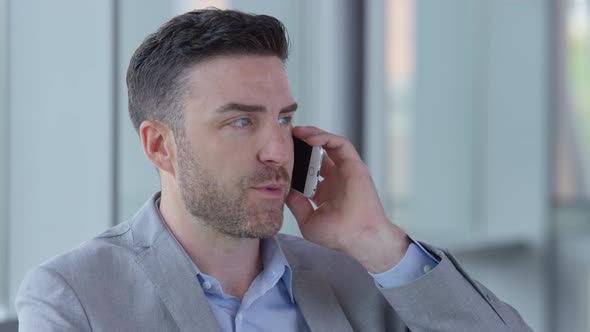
x: 276, y: 146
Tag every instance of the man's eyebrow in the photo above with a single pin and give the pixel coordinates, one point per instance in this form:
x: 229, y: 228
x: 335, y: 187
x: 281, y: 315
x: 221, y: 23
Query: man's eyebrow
x: 240, y: 107
x: 289, y: 109
x: 252, y: 108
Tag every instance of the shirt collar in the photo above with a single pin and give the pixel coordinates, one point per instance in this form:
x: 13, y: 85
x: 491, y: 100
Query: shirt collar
x: 273, y: 257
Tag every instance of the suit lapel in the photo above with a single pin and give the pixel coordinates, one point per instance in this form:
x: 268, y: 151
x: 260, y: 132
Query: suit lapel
x: 317, y: 303
x: 171, y: 273
x: 178, y: 288
x: 313, y: 294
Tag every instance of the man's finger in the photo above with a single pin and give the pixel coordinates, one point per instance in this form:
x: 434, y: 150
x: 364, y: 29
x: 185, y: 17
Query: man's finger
x: 303, y: 132
x: 339, y: 148
x: 300, y: 206
x: 328, y: 166
x: 322, y: 194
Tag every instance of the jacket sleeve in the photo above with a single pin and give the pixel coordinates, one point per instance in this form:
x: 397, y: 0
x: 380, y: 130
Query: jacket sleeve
x: 45, y: 302
x: 447, y: 299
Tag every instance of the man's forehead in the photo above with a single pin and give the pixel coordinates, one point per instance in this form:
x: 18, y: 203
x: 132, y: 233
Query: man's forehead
x: 243, y: 79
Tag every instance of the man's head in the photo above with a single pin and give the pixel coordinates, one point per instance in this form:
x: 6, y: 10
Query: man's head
x: 210, y: 98
x: 157, y: 73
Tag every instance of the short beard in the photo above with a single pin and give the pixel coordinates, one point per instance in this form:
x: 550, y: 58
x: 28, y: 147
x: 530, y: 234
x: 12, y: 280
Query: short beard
x: 229, y: 213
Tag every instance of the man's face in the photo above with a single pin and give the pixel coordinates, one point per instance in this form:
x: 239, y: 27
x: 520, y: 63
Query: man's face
x: 236, y: 155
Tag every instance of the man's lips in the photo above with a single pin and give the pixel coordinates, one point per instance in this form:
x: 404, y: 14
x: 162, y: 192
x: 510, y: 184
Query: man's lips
x: 271, y: 190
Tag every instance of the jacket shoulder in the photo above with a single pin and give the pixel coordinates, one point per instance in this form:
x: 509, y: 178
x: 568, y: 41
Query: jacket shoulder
x: 94, y: 253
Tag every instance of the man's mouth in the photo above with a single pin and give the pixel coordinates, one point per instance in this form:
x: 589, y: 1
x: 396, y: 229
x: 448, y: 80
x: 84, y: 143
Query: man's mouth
x: 274, y: 190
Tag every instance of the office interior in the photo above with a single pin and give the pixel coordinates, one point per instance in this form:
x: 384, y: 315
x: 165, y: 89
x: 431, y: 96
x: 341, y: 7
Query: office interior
x: 473, y: 117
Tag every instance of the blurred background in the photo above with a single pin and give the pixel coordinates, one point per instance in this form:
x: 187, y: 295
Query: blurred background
x: 473, y: 116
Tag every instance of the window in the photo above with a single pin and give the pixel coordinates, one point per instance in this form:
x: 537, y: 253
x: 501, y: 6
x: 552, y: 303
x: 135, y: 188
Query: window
x: 4, y: 154
x: 465, y: 115
x: 460, y: 142
x: 399, y: 85
x: 572, y: 149
x: 571, y: 165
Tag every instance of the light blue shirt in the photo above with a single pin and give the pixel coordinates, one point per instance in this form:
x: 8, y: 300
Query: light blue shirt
x: 415, y: 263
x: 268, y: 304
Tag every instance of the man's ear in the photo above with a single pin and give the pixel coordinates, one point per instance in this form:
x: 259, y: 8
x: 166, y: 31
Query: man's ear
x: 158, y: 145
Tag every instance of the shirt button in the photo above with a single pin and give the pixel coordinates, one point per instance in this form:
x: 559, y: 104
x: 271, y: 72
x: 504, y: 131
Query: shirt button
x: 207, y: 285
x: 240, y: 316
x: 427, y: 268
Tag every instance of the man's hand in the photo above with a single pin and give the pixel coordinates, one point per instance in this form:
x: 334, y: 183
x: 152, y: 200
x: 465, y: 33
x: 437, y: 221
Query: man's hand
x: 349, y: 216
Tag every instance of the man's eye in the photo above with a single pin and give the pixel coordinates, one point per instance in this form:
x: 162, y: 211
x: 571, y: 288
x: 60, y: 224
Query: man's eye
x: 286, y: 120
x: 241, y: 122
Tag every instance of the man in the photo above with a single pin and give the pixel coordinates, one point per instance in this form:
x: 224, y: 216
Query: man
x: 209, y: 97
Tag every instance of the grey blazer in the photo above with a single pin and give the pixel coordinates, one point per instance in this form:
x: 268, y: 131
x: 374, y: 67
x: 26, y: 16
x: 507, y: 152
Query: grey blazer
x: 134, y: 277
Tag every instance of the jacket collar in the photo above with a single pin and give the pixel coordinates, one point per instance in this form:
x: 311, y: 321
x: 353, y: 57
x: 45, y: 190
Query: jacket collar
x: 170, y: 271
x: 313, y: 293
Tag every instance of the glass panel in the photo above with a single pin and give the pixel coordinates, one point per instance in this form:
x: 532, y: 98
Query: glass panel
x: 430, y: 96
x: 400, y: 71
x: 465, y: 148
x: 4, y: 303
x: 572, y: 178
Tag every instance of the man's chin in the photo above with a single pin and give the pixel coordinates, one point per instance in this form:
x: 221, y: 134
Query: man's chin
x: 258, y: 233
x: 267, y: 225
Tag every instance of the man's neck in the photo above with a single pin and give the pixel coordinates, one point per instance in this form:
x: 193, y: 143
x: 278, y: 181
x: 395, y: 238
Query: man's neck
x: 234, y: 262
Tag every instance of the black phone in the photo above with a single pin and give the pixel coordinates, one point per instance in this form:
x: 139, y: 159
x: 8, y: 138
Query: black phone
x: 306, y: 167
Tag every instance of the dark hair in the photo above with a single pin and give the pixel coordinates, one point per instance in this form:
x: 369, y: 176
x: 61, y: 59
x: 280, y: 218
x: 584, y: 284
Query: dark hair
x: 157, y: 72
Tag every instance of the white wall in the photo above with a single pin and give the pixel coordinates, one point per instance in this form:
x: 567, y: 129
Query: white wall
x: 60, y: 128
x: 3, y: 157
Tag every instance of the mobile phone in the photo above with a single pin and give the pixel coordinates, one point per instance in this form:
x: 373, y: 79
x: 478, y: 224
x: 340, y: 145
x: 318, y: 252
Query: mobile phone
x: 306, y: 168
